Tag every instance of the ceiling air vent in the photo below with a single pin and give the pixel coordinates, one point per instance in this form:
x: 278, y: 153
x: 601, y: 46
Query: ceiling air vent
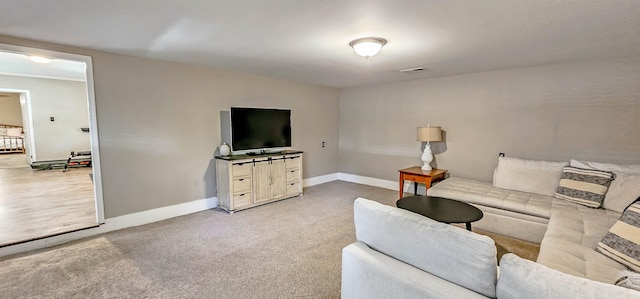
x: 413, y: 70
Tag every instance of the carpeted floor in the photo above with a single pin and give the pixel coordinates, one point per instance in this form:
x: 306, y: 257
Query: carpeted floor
x: 13, y: 161
x: 290, y: 248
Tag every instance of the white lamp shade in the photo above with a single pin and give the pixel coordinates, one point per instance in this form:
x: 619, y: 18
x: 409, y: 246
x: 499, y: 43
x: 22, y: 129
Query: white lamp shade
x: 429, y: 134
x: 367, y: 49
x: 368, y: 46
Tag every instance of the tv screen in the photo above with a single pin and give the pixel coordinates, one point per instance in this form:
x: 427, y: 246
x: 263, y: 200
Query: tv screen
x: 257, y: 128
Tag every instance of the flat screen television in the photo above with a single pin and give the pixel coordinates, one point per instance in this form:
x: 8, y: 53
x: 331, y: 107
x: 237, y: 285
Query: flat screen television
x: 259, y: 128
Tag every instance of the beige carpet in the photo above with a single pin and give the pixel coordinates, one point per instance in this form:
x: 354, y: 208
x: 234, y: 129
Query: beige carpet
x: 13, y: 161
x: 287, y: 249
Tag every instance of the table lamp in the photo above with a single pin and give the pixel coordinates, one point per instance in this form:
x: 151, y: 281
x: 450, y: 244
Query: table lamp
x: 428, y: 134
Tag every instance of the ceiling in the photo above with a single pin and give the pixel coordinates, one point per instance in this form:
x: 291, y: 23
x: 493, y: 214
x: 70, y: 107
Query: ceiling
x: 307, y: 40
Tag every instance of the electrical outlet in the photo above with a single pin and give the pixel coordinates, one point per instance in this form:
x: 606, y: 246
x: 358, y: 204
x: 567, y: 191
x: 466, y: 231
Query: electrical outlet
x: 323, y: 144
x: 501, y: 155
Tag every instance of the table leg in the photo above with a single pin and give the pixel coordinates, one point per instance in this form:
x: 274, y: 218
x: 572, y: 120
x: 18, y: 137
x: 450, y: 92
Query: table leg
x: 468, y: 226
x: 401, y: 184
x: 415, y: 188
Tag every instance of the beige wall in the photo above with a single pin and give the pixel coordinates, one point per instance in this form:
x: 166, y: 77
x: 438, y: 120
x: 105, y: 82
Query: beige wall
x: 64, y: 100
x: 10, y: 112
x: 554, y: 112
x: 159, y: 125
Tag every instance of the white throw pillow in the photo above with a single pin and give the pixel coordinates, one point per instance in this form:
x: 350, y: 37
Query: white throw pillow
x: 14, y: 132
x: 624, y: 189
x: 533, y: 176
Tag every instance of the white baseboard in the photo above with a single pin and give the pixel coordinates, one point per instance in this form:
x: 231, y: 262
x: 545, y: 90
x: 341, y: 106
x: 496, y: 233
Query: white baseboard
x: 154, y: 215
x: 393, y: 185
x: 387, y: 184
x: 320, y: 180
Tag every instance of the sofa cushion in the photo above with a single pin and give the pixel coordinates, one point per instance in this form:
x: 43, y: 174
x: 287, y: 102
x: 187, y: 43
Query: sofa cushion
x: 485, y: 194
x: 624, y: 189
x: 522, y: 279
x: 431, y: 246
x: 535, y: 176
x: 584, y: 186
x: 622, y: 241
x: 570, y: 241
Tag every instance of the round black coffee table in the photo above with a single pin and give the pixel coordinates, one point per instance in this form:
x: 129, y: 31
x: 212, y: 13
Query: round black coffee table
x: 441, y: 209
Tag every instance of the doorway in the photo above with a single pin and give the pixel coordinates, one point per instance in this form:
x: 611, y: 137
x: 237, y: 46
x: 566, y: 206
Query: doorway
x: 57, y: 107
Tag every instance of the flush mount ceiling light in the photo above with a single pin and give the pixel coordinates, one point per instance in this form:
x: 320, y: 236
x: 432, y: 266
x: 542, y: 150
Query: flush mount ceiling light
x: 39, y: 59
x: 367, y: 46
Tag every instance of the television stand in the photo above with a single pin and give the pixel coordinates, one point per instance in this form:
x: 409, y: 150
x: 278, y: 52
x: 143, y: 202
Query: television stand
x: 245, y: 181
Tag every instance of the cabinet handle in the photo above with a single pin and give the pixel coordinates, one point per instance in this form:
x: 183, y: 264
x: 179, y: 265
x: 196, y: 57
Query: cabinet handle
x: 241, y: 180
x: 241, y: 194
x: 293, y: 171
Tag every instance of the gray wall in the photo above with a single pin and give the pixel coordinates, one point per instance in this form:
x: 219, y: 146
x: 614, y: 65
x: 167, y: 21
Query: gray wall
x: 159, y: 122
x: 587, y: 110
x: 66, y: 101
x: 159, y: 125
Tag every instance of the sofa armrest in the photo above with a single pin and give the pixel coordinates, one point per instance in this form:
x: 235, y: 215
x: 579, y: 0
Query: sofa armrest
x: 522, y: 279
x: 367, y: 273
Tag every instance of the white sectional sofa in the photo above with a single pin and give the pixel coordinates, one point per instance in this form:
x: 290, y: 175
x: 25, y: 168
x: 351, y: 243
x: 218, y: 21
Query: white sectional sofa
x: 520, y: 203
x: 567, y: 232
x: 400, y: 254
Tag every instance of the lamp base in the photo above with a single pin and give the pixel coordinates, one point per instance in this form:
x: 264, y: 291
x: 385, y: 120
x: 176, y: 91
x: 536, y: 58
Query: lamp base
x: 427, y: 157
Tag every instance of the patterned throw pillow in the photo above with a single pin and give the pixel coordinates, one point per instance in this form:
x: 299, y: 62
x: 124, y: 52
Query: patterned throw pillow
x: 583, y: 186
x: 622, y: 242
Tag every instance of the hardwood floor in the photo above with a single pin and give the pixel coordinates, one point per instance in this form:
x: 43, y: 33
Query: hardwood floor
x: 40, y: 203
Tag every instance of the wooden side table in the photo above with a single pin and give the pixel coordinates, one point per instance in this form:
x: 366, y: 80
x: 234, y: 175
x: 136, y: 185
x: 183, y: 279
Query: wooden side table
x: 417, y: 175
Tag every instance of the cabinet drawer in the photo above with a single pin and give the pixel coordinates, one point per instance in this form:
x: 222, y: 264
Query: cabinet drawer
x: 293, y: 175
x: 241, y: 184
x: 293, y: 162
x: 293, y: 188
x: 242, y: 169
x: 416, y: 178
x: 242, y: 199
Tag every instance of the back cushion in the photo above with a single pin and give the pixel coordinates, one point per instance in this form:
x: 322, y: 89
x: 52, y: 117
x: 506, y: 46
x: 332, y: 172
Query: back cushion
x: 624, y: 188
x: 533, y: 176
x: 431, y: 246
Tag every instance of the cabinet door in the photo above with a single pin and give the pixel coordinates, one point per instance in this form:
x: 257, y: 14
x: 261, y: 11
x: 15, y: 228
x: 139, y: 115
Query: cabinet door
x: 278, y: 179
x: 262, y: 181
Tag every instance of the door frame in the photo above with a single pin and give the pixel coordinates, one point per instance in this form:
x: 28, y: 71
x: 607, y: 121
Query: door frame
x: 93, y: 124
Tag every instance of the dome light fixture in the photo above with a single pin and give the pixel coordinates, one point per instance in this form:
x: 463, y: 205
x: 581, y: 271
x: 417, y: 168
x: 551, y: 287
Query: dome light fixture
x: 367, y: 46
